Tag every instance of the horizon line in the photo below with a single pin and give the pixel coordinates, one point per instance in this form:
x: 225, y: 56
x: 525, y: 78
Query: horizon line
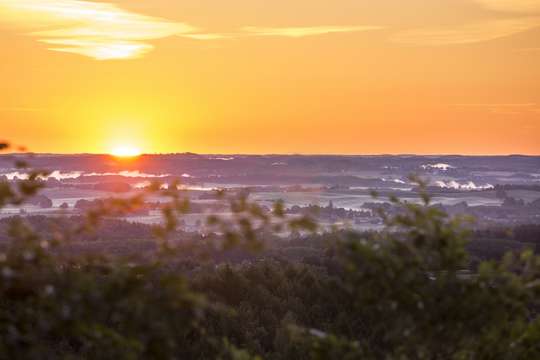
x: 275, y: 154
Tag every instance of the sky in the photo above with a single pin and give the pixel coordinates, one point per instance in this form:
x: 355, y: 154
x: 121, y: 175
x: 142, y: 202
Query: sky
x: 281, y: 76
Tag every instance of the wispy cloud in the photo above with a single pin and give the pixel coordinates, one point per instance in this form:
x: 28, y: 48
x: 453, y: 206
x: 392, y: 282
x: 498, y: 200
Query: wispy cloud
x: 296, y: 32
x: 210, y: 36
x: 468, y: 33
x: 514, y: 105
x: 104, y: 31
x: 506, y: 109
x: 523, y: 6
x: 528, y: 50
x: 95, y: 29
x: 290, y: 32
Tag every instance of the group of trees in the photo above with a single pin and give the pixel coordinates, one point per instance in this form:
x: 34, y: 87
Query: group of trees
x: 329, y: 212
x: 397, y: 294
x: 401, y: 294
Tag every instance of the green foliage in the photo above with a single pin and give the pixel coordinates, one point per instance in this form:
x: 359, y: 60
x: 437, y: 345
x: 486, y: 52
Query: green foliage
x: 404, y: 293
x: 58, y: 305
x: 51, y: 309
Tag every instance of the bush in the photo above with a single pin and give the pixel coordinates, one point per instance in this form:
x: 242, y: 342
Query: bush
x: 402, y: 293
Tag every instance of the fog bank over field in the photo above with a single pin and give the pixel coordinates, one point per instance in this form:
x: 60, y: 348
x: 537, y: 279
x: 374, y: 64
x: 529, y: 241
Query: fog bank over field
x: 504, y: 189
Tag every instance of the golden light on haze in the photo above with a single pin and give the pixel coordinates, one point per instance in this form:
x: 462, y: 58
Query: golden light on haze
x: 243, y: 76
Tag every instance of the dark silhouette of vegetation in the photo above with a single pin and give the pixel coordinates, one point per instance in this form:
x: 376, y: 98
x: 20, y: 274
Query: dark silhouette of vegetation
x: 408, y: 292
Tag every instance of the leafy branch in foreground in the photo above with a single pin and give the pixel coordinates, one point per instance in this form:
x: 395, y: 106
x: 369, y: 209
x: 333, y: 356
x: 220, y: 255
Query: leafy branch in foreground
x: 405, y: 294
x: 402, y: 293
x: 57, y: 305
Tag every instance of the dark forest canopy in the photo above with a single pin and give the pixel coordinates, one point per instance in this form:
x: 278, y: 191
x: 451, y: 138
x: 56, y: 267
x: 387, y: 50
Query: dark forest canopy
x: 411, y: 291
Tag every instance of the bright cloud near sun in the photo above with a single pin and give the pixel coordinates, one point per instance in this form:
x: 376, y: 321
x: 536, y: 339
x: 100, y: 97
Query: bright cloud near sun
x: 99, y: 30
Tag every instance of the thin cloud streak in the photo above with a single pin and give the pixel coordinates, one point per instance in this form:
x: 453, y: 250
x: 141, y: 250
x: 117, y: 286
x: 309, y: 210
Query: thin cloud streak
x: 101, y: 50
x: 468, y: 33
x: 209, y: 36
x: 297, y: 32
x: 290, y: 32
x: 504, y: 109
x: 520, y: 6
x: 527, y: 50
x: 498, y: 105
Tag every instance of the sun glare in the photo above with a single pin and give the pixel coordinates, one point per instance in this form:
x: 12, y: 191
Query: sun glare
x: 125, y: 152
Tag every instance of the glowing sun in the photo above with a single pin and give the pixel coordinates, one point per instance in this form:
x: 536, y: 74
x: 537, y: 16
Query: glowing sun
x: 125, y: 151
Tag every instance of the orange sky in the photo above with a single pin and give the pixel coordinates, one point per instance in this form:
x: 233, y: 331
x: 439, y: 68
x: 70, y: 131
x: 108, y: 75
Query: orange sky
x: 281, y: 76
